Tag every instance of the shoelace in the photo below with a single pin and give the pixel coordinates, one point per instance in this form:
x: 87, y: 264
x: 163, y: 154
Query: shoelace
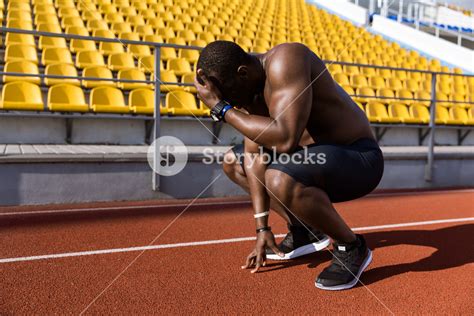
x: 345, y: 258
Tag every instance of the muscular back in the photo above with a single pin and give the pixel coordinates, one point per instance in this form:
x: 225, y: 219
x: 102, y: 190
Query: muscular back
x: 333, y: 115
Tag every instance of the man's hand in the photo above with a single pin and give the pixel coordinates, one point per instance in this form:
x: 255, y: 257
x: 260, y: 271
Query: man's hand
x: 257, y: 257
x: 207, y: 92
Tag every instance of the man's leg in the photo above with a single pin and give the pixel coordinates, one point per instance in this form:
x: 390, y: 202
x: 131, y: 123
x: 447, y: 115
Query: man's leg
x: 299, y: 241
x: 234, y: 170
x: 313, y: 206
x: 309, y: 204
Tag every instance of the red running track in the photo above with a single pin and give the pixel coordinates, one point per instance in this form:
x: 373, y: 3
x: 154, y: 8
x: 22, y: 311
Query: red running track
x: 423, y: 268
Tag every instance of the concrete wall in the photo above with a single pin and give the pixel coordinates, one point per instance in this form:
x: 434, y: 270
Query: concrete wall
x: 45, y: 183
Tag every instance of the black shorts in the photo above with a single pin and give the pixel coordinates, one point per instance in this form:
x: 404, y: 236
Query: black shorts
x: 344, y: 172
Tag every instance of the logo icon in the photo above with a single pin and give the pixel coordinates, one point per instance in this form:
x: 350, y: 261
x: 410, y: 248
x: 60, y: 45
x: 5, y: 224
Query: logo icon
x: 171, y: 156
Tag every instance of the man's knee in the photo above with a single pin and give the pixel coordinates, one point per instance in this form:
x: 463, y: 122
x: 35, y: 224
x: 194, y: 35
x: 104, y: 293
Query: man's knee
x: 280, y: 186
x: 231, y: 165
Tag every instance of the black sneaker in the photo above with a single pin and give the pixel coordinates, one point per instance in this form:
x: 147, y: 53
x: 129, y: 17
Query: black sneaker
x: 299, y: 242
x: 349, y: 261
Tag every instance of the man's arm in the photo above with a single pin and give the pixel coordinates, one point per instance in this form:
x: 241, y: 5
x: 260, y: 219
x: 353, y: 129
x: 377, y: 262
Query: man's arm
x: 255, y: 167
x: 289, y: 104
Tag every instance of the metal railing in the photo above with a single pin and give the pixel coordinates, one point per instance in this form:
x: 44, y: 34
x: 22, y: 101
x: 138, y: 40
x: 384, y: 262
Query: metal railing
x: 157, y: 85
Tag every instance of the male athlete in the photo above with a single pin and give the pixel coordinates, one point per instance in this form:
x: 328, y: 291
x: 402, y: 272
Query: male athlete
x: 286, y: 101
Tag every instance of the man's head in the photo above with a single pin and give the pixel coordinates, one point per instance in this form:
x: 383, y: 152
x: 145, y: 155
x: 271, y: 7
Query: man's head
x: 231, y: 70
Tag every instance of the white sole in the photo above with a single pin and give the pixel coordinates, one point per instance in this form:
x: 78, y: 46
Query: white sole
x: 366, y: 263
x: 301, y: 251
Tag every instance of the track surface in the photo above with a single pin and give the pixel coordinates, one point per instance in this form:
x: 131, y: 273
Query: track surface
x: 422, y: 269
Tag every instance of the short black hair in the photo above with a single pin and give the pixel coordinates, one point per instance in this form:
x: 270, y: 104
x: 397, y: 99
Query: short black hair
x: 222, y: 58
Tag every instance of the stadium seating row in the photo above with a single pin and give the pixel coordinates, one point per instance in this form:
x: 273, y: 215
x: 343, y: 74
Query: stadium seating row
x: 69, y: 98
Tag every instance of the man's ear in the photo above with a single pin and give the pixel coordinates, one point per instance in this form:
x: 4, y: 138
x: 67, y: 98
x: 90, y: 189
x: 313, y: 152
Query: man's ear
x: 242, y: 71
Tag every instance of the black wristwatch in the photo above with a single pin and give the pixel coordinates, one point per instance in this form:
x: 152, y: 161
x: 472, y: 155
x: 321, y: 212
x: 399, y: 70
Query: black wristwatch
x: 218, y: 111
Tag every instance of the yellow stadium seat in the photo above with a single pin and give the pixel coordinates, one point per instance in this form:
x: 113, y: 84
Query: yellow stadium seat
x: 120, y: 61
x: 470, y: 115
x: 176, y: 25
x: 368, y: 71
x: 167, y: 53
x: 405, y: 94
x: 153, y: 38
x: 400, y: 111
x: 420, y: 112
x: 67, y: 98
x: 394, y: 83
x: 135, y: 20
x: 82, y: 45
x: 77, y: 30
x: 144, y: 30
x: 24, y: 67
x: 169, y: 77
x: 165, y: 32
x: 98, y: 24
x: 19, y: 15
x: 377, y: 82
x: 351, y: 70
x: 342, y: 79
x: 72, y: 21
x: 142, y: 101
x: 387, y: 94
x: 423, y: 95
x: 365, y: 94
x: 131, y: 74
x: 223, y: 37
x: 385, y: 73
x: 139, y: 50
x: 50, y: 18
x: 47, y: 27
x: 18, y: 5
x: 20, y: 24
x: 190, y: 55
x: 180, y: 66
x: 359, y: 81
x: 259, y: 49
x: 189, y: 78
x: 442, y: 116
x: 121, y: 27
x: 156, y: 23
x: 103, y: 33
x: 16, y: 38
x: 147, y: 64
x: 89, y: 59
x: 113, y: 18
x: 97, y: 72
x: 177, y: 41
x: 187, y: 35
x: 442, y: 98
x: 131, y: 36
x: 377, y: 112
x: 349, y: 90
x: 61, y: 70
x: 183, y: 103
x: 55, y: 56
x: 18, y: 52
x: 20, y: 95
x: 108, y: 100
x: 459, y: 114
x: 109, y: 48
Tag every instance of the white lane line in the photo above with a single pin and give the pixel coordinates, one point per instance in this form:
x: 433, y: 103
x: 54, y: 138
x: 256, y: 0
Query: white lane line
x: 118, y: 208
x: 213, y: 242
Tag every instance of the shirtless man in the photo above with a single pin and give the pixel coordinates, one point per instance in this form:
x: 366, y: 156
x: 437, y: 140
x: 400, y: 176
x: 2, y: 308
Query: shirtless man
x: 286, y: 101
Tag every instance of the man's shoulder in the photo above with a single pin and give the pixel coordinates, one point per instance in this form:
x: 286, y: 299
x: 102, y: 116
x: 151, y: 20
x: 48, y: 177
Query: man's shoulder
x: 287, y: 59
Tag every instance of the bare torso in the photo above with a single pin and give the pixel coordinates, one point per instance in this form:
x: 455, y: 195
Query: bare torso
x: 334, y: 117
